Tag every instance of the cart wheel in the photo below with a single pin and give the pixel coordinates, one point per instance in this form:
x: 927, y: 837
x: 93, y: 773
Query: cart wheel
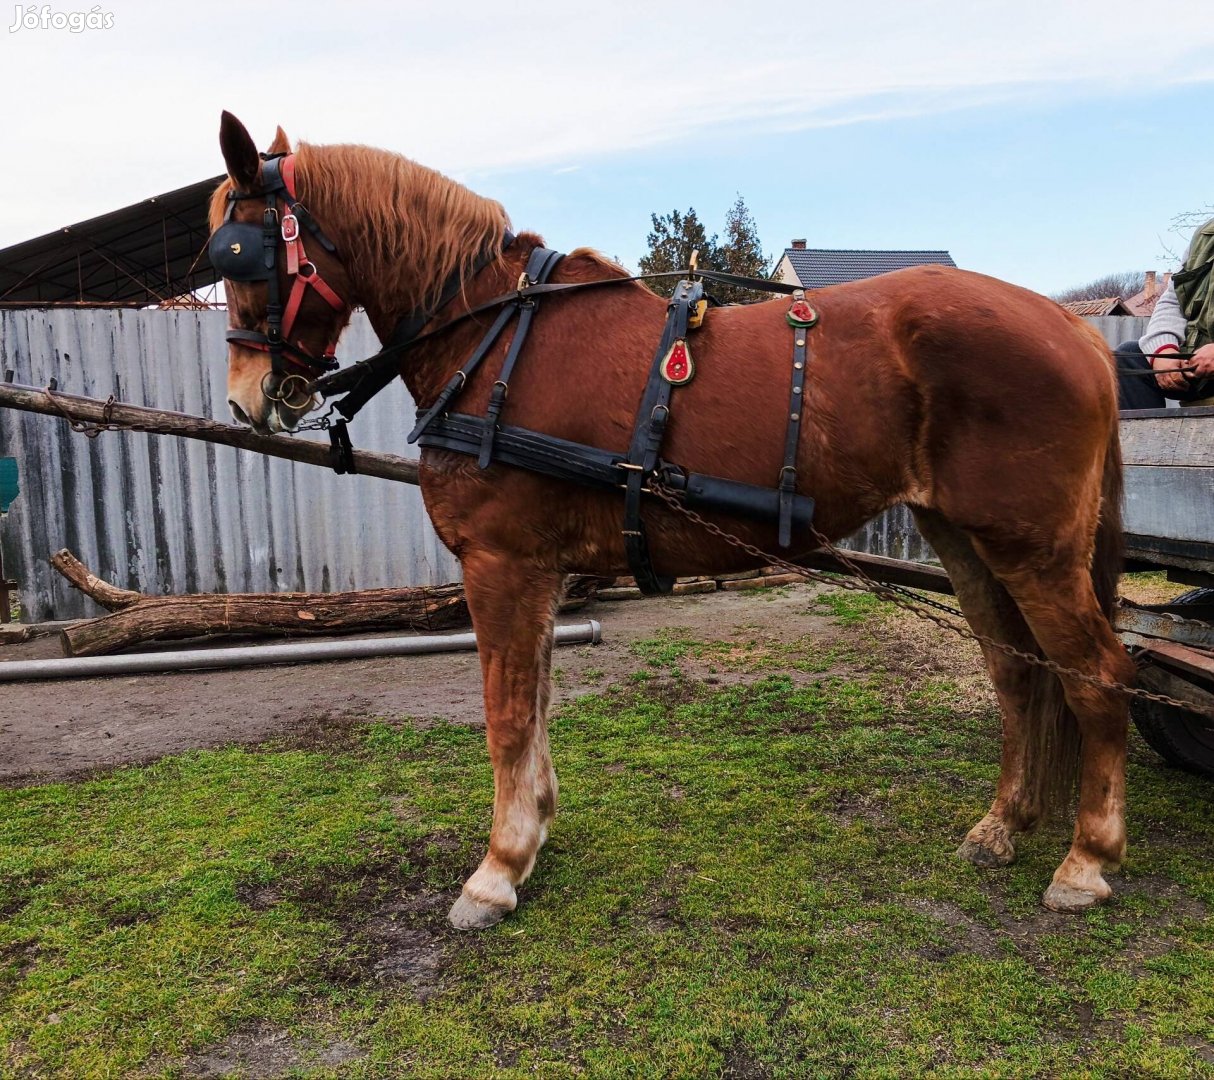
x: 1180, y: 737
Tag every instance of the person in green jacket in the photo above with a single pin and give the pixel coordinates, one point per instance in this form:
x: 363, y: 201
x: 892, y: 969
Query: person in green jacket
x: 1179, y: 336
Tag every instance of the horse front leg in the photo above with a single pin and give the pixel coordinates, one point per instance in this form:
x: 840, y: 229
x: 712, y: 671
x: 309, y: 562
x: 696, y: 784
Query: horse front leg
x: 513, y: 609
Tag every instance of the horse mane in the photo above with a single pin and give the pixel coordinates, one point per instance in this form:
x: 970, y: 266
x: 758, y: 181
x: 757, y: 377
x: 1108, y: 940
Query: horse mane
x: 401, y: 229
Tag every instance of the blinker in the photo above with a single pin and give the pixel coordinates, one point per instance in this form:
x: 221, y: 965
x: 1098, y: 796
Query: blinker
x: 235, y: 249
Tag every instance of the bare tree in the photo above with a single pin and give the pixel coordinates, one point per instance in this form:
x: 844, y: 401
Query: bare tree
x: 1183, y: 226
x: 1122, y: 285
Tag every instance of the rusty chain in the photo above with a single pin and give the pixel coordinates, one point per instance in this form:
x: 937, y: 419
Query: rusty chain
x: 905, y: 599
x: 84, y: 427
x: 909, y: 601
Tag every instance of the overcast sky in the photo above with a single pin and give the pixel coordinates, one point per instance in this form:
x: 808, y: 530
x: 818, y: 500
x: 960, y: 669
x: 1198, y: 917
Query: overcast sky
x: 1046, y: 143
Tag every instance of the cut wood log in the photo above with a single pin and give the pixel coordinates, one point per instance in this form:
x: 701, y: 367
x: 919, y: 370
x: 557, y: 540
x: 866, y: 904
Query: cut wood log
x: 80, y: 577
x: 137, y: 617
x: 166, y: 618
x: 170, y: 618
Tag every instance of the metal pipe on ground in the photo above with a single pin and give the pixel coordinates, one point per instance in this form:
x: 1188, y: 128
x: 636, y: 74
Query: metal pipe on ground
x: 302, y: 652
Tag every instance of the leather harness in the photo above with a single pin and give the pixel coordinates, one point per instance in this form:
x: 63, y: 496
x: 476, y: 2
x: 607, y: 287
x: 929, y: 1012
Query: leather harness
x: 234, y: 250
x: 486, y: 439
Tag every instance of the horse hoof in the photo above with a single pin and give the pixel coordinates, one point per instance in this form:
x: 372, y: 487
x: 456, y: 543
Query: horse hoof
x: 985, y: 857
x: 469, y: 914
x: 1069, y: 900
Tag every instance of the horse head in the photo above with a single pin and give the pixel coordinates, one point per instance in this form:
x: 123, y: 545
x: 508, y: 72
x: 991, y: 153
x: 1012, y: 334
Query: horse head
x: 288, y: 294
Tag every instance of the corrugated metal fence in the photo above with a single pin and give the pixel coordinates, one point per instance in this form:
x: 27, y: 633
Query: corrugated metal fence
x: 174, y: 515
x: 168, y: 515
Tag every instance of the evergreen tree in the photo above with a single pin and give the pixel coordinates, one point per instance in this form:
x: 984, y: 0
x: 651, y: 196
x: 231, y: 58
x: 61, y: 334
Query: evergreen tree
x: 674, y: 237
x: 741, y: 253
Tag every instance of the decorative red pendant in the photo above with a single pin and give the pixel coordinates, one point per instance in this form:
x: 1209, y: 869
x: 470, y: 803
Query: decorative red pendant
x: 801, y: 314
x: 677, y: 367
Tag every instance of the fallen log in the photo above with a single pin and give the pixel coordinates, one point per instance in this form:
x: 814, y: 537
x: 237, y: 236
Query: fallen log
x: 167, y: 618
x: 80, y: 577
x: 118, y: 415
x: 137, y: 617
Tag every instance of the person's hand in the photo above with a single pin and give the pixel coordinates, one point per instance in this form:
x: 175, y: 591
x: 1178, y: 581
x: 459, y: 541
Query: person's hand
x: 1202, y: 362
x: 1168, y: 377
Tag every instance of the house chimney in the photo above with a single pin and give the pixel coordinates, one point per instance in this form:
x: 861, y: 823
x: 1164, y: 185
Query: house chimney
x: 798, y: 245
x: 1148, y: 288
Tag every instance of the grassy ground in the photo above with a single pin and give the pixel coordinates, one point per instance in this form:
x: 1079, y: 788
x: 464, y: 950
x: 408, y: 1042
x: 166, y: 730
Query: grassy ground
x: 751, y: 875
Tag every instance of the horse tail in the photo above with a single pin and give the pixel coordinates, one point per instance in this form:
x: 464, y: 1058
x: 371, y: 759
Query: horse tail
x: 1053, y: 741
x: 1109, y: 554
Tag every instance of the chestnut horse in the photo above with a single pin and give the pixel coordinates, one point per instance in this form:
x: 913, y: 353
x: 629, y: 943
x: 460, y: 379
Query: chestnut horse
x: 987, y: 408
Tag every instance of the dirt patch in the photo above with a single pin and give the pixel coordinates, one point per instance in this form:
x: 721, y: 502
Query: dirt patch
x: 914, y: 651
x: 390, y: 926
x: 965, y: 935
x: 55, y: 729
x: 849, y: 807
x: 411, y: 957
x: 740, y: 1064
x: 264, y: 1053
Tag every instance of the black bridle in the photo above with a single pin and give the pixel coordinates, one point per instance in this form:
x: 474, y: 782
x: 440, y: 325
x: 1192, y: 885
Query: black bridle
x: 247, y: 252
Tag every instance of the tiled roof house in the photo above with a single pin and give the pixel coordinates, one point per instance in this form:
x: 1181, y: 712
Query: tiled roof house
x: 815, y: 268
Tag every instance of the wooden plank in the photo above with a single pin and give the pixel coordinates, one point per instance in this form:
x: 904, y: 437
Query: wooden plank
x: 1191, y: 662
x: 913, y: 575
x: 1184, y: 439
x: 1168, y: 502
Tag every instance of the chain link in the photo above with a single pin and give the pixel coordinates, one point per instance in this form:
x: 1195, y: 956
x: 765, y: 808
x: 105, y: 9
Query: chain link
x: 900, y: 597
x: 909, y: 601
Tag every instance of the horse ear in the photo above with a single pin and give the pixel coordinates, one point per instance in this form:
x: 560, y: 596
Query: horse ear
x: 239, y: 151
x: 281, y: 144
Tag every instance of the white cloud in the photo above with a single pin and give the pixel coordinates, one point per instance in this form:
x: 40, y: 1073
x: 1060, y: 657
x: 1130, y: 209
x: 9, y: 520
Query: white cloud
x: 98, y: 119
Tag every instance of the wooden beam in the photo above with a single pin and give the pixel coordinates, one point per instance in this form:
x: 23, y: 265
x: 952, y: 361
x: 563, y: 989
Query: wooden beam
x: 911, y: 575
x: 161, y: 422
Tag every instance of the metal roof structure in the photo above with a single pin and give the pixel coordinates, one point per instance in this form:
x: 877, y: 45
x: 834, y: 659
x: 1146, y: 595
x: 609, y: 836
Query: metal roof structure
x: 818, y: 267
x: 151, y: 252
x: 1105, y: 305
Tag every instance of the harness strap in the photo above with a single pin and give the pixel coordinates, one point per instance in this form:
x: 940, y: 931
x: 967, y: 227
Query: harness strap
x: 368, y: 377
x: 539, y: 266
x: 457, y: 381
x: 278, y: 181
x: 381, y: 367
x: 647, y: 437
x: 800, y: 317
x: 584, y: 465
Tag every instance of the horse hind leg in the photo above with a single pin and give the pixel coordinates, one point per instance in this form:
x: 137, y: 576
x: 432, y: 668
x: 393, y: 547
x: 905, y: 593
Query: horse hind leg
x: 1030, y: 700
x: 513, y: 609
x: 1059, y: 604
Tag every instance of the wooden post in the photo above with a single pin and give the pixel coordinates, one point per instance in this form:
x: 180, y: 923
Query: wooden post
x: 85, y: 410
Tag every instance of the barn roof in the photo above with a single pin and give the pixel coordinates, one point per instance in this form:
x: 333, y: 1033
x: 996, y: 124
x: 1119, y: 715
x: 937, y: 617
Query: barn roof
x: 143, y: 254
x: 1105, y: 305
x: 818, y: 267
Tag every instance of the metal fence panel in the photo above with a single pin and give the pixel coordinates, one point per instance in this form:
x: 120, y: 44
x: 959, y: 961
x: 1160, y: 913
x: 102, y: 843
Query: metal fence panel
x: 167, y: 515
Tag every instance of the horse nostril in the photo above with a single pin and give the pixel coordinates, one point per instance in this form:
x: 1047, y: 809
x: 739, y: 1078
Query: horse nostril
x: 239, y: 414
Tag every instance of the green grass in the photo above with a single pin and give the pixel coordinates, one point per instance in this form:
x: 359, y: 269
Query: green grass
x: 852, y: 608
x: 752, y: 880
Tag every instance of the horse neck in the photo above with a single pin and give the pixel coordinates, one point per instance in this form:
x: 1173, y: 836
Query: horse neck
x: 428, y: 367
x: 402, y: 230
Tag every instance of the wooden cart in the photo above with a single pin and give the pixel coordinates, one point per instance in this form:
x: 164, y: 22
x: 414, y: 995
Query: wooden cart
x: 1169, y: 524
